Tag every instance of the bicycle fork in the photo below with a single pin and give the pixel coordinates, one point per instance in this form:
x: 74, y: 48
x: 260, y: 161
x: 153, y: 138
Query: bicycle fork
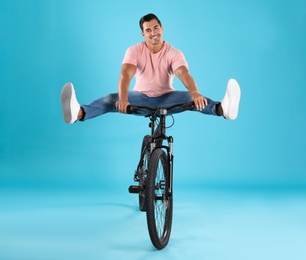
x: 170, y: 163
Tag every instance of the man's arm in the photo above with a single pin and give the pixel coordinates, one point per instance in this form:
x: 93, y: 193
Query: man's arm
x: 126, y: 75
x: 183, y: 74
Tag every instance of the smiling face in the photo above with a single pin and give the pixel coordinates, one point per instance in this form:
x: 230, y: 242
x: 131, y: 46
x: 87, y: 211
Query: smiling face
x: 153, y: 33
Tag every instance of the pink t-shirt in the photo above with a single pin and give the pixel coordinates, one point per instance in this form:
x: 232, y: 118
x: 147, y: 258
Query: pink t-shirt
x: 155, y: 71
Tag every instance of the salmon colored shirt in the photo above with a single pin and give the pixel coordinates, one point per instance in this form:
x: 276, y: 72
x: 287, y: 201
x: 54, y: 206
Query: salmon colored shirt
x: 155, y: 71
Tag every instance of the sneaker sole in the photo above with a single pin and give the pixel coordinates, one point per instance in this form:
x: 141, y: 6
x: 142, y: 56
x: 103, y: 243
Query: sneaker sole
x: 66, y: 95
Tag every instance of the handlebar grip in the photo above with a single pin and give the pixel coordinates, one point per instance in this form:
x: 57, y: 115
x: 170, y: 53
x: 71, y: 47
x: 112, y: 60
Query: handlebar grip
x: 131, y: 109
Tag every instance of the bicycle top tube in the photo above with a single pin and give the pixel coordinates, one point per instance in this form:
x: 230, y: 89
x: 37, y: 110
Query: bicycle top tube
x: 147, y: 111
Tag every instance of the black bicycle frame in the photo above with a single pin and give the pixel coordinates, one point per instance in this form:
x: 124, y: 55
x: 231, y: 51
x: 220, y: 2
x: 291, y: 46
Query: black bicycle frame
x: 158, y: 133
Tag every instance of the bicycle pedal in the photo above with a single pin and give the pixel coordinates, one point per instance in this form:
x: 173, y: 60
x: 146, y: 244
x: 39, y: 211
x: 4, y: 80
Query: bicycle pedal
x: 134, y: 189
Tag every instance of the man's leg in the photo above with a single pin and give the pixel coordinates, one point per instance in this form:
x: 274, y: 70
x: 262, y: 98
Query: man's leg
x: 228, y: 107
x: 100, y: 106
x: 73, y: 111
x: 181, y: 97
x: 107, y: 104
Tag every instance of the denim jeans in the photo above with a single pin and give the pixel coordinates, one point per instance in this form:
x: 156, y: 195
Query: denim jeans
x: 107, y: 103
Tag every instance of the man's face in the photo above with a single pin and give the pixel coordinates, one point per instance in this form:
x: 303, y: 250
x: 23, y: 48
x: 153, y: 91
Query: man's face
x: 152, y: 32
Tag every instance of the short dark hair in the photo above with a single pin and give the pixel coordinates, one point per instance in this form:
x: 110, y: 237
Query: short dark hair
x: 148, y: 18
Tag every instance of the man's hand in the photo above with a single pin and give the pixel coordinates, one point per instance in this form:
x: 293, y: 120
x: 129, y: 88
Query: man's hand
x: 121, y: 105
x: 199, y: 101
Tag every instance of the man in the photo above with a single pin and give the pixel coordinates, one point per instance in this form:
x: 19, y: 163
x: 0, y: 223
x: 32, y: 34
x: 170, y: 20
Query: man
x: 154, y: 63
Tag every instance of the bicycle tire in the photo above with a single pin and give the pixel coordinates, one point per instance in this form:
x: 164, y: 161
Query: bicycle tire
x: 159, y: 202
x: 144, y: 160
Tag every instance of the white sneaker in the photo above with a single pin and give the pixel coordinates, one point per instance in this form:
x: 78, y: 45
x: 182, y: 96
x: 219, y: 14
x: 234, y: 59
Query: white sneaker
x: 230, y: 102
x: 70, y: 105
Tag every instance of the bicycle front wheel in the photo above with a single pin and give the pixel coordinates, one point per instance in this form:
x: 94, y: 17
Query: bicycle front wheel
x: 159, y: 203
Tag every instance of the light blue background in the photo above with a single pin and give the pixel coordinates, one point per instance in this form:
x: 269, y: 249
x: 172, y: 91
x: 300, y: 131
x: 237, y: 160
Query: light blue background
x: 47, y: 43
x: 44, y: 44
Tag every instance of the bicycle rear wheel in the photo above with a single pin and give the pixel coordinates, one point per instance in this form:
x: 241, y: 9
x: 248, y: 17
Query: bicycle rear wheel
x: 143, y: 166
x: 159, y: 203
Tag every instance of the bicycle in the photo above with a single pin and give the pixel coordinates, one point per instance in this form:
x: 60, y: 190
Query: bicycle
x: 154, y: 172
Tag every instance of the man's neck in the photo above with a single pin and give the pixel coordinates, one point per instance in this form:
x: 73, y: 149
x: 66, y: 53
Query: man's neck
x: 156, y: 47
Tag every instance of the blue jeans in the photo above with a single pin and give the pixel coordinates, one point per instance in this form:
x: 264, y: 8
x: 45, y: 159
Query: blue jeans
x: 107, y: 103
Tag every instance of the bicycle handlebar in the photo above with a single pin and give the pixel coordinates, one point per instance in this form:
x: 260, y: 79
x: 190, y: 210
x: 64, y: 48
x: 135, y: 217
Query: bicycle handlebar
x: 131, y: 109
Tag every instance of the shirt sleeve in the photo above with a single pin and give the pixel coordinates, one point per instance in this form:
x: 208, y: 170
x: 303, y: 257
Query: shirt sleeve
x: 178, y: 59
x: 130, y: 56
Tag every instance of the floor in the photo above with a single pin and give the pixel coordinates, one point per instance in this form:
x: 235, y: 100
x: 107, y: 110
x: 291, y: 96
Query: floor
x: 209, y: 223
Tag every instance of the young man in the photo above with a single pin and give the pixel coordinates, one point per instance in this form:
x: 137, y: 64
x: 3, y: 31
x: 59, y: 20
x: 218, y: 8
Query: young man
x: 154, y: 63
